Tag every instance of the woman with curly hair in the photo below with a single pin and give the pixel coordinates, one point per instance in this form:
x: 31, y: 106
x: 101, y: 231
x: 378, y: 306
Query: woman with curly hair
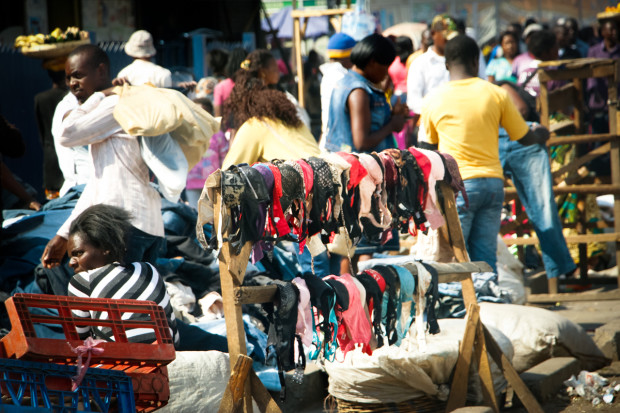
x: 267, y: 122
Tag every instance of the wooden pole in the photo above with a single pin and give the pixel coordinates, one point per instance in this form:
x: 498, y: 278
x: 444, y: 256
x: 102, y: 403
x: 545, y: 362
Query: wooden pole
x: 298, y: 61
x: 614, y: 153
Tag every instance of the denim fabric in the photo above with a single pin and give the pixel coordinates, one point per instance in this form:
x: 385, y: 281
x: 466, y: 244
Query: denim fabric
x: 338, y: 137
x: 529, y: 169
x: 324, y: 264
x: 143, y: 247
x: 481, y: 221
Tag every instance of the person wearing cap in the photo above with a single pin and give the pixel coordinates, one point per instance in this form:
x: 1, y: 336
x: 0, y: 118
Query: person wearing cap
x: 339, y: 53
x: 542, y: 46
x: 524, y: 60
x: 463, y: 118
x: 142, y: 70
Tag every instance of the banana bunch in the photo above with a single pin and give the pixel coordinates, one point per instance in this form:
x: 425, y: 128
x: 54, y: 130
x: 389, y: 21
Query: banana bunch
x: 56, y: 36
x: 612, y: 9
x: 26, y: 41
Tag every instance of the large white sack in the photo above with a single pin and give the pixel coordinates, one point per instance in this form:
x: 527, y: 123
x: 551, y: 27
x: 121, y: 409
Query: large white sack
x: 538, y: 334
x: 197, y: 381
x: 395, y: 374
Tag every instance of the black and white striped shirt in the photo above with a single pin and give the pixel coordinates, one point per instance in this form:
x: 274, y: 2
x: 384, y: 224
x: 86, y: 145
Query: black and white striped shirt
x: 136, y: 281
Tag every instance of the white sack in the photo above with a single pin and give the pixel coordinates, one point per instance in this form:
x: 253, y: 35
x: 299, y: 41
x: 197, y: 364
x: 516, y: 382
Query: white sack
x: 538, y: 334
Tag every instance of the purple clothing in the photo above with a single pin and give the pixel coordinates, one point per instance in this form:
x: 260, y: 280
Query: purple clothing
x: 597, y: 87
x: 211, y: 162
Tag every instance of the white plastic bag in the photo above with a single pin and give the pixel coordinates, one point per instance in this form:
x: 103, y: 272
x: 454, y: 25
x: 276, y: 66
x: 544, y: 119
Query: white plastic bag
x: 165, y: 158
x: 360, y: 22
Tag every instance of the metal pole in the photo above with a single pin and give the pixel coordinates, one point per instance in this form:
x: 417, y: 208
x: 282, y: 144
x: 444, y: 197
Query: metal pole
x: 497, y: 21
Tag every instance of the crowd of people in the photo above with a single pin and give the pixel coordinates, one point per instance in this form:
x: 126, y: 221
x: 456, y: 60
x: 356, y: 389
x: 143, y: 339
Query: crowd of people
x: 375, y: 94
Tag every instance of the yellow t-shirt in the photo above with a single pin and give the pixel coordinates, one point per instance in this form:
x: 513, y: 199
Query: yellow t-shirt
x: 463, y: 118
x: 259, y: 140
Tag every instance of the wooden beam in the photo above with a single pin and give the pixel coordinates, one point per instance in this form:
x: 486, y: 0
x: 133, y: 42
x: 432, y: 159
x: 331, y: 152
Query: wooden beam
x: 458, y: 393
x: 232, y: 272
x: 575, y: 164
x: 256, y: 295
x: 298, y: 61
x: 564, y: 73
x: 232, y: 399
x: 614, y: 152
x: 318, y: 13
x: 484, y: 369
x: 567, y: 140
x: 525, y: 395
x: 570, y: 239
x: 265, y: 402
x: 600, y: 189
x: 568, y: 297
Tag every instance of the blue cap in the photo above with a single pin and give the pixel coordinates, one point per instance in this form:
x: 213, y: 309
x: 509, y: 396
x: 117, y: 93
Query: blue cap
x: 340, y: 45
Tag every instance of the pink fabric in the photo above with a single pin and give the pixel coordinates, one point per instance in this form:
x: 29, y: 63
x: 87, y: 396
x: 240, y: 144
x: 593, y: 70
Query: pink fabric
x: 90, y: 348
x: 425, y: 165
x: 210, y: 162
x: 432, y: 212
x: 222, y: 91
x: 398, y: 73
x: 304, y: 314
x: 370, y: 185
x: 357, y: 327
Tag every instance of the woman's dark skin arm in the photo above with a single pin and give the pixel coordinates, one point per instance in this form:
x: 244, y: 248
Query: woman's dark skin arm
x: 359, y: 112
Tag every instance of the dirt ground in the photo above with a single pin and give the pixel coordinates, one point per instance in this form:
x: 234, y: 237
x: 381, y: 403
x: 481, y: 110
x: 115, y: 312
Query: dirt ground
x: 565, y: 404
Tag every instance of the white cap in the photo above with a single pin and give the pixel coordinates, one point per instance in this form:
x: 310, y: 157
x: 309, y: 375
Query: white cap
x: 140, y: 44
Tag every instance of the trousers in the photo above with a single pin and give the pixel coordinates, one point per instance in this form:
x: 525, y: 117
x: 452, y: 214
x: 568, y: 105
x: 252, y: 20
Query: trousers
x: 529, y: 169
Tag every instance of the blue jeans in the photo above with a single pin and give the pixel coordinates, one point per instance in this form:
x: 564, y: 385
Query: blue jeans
x: 529, y: 169
x: 481, y: 221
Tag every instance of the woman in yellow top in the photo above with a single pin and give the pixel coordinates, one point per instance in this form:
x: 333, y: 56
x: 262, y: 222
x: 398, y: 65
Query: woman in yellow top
x: 267, y: 121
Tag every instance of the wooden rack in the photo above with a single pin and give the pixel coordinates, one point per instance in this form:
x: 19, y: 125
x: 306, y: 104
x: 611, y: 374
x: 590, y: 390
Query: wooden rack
x: 299, y: 31
x: 571, y: 96
x: 245, y: 385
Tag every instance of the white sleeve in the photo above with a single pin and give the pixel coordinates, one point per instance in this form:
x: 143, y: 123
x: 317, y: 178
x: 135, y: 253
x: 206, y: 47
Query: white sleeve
x: 91, y: 122
x: 84, y: 202
x: 482, y: 67
x: 415, y: 86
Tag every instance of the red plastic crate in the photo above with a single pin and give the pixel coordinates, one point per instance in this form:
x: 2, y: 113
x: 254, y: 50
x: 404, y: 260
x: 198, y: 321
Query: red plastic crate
x: 144, y: 363
x: 22, y: 342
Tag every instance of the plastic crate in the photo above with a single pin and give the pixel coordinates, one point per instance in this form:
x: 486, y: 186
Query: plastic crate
x: 23, y: 343
x: 143, y: 363
x: 31, y: 386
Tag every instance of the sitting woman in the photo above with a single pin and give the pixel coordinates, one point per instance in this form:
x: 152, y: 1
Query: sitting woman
x: 96, y: 246
x: 267, y: 122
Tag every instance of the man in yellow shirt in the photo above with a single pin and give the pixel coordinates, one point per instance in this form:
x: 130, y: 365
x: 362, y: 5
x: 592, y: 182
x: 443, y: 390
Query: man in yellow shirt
x: 463, y: 117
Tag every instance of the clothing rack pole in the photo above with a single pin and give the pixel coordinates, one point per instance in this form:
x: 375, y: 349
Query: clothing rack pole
x: 232, y: 272
x: 476, y: 337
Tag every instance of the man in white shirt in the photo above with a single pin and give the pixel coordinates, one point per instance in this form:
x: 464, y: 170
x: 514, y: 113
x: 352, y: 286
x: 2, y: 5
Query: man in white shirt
x: 120, y: 176
x: 428, y: 71
x: 74, y: 162
x: 142, y: 70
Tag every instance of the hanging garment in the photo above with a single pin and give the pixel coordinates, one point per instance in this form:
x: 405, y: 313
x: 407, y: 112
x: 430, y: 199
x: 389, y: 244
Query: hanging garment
x: 432, y: 212
x: 355, y: 328
x: 374, y: 300
x: 390, y: 301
